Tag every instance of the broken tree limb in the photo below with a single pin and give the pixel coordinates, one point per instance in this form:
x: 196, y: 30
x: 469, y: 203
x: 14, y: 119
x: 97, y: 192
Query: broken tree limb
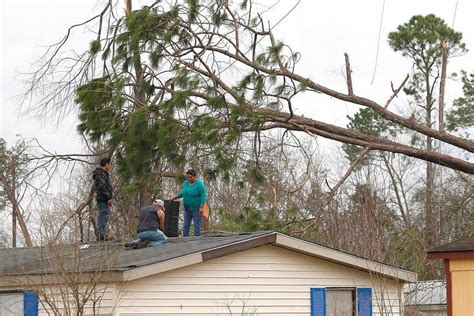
x: 395, y: 92
x: 348, y: 75
x: 406, y: 122
x: 442, y: 86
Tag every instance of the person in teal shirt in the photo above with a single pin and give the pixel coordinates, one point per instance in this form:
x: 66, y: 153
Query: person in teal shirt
x: 194, y: 195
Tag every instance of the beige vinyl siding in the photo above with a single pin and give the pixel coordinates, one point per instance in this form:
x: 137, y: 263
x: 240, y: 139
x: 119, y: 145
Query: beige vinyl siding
x: 101, y: 301
x: 104, y: 296
x: 267, y: 280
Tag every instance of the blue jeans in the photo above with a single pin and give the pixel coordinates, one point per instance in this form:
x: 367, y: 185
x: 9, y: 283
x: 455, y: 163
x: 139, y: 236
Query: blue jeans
x: 196, y: 217
x: 102, y: 219
x: 156, y: 237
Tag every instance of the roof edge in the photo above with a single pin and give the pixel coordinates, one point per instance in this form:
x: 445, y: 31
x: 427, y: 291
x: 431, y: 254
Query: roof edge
x: 450, y: 255
x: 197, y: 257
x: 239, y: 246
x: 343, y: 258
x: 34, y: 280
x: 159, y: 267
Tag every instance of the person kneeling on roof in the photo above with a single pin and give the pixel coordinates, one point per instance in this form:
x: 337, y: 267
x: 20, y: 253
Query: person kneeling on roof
x: 151, y: 224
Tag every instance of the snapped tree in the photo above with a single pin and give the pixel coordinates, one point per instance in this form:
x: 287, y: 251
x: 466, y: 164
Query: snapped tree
x: 423, y: 40
x: 171, y: 81
x: 428, y: 43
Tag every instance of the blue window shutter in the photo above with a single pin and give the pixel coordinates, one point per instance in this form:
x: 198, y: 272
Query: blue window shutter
x: 30, y: 303
x: 318, y: 302
x: 364, y: 302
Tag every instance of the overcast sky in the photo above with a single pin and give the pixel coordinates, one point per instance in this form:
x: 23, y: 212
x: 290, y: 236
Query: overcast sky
x: 320, y: 30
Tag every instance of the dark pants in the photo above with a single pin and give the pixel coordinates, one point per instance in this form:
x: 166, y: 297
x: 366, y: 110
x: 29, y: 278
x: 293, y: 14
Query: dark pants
x: 195, y: 216
x: 102, y: 219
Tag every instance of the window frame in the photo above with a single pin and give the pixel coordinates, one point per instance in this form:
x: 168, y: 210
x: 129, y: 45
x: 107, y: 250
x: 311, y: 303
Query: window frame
x: 30, y: 300
x: 363, y: 300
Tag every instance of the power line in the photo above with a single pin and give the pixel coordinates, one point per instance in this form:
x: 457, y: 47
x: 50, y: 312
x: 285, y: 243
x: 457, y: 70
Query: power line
x: 378, y: 43
x: 455, y: 11
x: 261, y: 38
x: 284, y: 17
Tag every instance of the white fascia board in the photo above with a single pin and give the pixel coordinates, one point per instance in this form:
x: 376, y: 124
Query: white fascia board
x: 342, y: 258
x: 160, y: 267
x: 51, y: 278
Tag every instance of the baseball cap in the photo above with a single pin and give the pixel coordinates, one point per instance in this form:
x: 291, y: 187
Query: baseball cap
x: 159, y: 203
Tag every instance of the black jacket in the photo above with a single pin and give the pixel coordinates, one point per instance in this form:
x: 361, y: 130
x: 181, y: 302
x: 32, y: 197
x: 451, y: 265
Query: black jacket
x: 102, y: 185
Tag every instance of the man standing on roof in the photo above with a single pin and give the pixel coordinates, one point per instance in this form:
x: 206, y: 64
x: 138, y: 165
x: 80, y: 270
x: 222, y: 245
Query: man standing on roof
x: 103, y: 196
x: 151, y: 224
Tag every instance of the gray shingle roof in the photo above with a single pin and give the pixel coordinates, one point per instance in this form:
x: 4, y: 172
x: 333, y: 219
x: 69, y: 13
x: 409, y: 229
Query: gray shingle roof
x: 59, y: 263
x: 466, y: 244
x: 108, y: 256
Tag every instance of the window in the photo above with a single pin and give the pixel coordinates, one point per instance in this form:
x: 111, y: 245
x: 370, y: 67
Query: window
x: 18, y: 303
x: 11, y: 304
x: 341, y: 301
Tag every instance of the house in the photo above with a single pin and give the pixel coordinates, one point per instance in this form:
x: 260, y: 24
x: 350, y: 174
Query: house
x: 426, y: 298
x: 458, y: 259
x: 260, y: 273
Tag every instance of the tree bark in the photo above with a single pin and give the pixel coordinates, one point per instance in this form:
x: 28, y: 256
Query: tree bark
x: 17, y: 216
x: 299, y: 123
x: 14, y: 201
x: 429, y: 220
x: 442, y: 88
x: 397, y: 193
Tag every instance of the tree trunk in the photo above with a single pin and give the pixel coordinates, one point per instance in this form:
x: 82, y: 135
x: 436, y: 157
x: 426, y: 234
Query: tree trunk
x: 429, y: 220
x: 397, y: 192
x: 442, y: 84
x: 10, y: 190
x: 14, y: 201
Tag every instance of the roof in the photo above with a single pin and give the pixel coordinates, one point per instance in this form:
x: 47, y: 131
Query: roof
x: 431, y: 292
x: 459, y: 249
x: 118, y: 264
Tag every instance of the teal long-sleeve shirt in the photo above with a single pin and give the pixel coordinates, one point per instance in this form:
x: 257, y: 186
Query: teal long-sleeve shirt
x: 194, y: 195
